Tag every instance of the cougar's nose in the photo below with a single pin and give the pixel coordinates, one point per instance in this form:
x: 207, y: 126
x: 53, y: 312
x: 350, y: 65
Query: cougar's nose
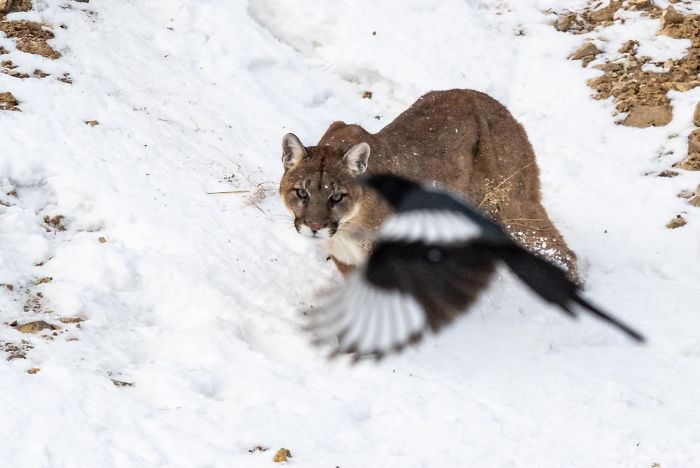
x: 315, y: 227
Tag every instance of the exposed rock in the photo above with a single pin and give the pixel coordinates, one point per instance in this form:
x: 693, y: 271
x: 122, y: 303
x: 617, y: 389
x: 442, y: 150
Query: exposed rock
x: 667, y: 173
x: 639, y: 85
x: 677, y: 222
x: 680, y: 27
x: 282, y: 455
x: 10, y: 6
x: 588, y: 19
x: 8, y: 102
x: 36, y: 326
x: 690, y: 163
x: 695, y: 200
x: 92, y: 123
x: 565, y: 22
x: 681, y: 86
x: 605, y: 14
x: 43, y: 280
x: 121, y: 383
x: 629, y: 47
x: 587, y: 49
x: 17, y: 350
x: 696, y: 115
x: 694, y: 141
x: 21, y: 5
x: 611, y: 66
x: 70, y: 320
x: 367, y: 95
x: 686, y: 194
x: 636, y: 5
x: 648, y: 116
x: 258, y: 448
x: 670, y: 16
x: 31, y: 37
x: 55, y: 222
x: 33, y: 370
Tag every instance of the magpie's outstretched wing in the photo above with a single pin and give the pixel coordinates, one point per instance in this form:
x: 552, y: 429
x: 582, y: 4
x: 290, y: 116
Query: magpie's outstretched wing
x: 423, y: 271
x: 430, y: 261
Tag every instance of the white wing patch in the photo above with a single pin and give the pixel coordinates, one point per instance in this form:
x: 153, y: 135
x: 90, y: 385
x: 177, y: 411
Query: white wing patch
x: 429, y: 226
x: 366, y: 320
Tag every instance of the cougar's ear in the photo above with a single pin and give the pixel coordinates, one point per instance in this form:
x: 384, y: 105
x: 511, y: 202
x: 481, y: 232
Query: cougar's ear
x: 356, y: 158
x: 292, y: 151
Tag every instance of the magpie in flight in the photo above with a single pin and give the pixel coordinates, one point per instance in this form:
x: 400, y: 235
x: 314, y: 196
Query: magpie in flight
x: 431, y: 259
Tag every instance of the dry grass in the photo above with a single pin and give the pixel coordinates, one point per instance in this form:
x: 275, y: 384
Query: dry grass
x: 254, y: 195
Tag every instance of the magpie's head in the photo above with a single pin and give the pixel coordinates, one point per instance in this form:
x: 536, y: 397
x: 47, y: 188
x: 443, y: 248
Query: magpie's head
x: 392, y: 187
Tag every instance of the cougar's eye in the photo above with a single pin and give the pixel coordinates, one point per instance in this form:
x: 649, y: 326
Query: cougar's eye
x: 303, y: 194
x: 337, y: 197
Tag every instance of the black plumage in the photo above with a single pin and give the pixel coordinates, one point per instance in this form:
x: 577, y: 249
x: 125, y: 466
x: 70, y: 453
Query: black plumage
x: 430, y: 261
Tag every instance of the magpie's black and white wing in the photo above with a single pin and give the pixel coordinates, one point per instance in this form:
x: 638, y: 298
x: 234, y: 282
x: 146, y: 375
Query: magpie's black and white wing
x: 429, y: 263
x: 424, y: 270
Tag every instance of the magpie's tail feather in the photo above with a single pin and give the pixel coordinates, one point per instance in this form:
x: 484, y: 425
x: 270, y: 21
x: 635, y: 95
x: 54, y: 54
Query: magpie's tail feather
x: 629, y: 331
x: 551, y: 284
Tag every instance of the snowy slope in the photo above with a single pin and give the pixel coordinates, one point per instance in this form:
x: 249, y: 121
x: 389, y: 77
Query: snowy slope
x: 193, y: 297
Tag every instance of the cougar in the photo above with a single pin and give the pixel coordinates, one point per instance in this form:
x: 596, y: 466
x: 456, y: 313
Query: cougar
x: 461, y: 140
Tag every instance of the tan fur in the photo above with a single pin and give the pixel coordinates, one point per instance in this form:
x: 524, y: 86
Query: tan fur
x: 461, y: 140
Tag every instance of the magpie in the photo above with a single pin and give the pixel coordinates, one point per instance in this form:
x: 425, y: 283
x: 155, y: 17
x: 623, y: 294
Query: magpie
x: 430, y: 261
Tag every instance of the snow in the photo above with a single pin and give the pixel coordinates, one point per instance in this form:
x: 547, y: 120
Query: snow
x: 194, y: 297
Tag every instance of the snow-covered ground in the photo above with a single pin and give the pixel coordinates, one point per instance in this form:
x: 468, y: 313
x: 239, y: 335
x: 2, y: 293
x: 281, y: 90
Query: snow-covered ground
x: 193, y: 297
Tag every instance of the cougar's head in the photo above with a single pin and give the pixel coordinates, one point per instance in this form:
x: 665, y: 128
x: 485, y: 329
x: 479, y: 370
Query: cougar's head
x: 319, y: 186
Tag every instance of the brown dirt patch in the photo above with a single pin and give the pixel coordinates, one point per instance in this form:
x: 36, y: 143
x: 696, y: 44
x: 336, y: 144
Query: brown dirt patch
x: 258, y: 448
x: 55, y: 222
x: 31, y: 37
x: 641, y: 94
x: 34, y: 303
x: 587, y: 19
x: 36, y: 326
x: 43, y: 280
x: 21, y: 5
x: 9, y: 68
x: 17, y: 350
x: 8, y: 102
x: 12, y: 6
x: 121, y: 383
x: 70, y: 319
x: 675, y: 223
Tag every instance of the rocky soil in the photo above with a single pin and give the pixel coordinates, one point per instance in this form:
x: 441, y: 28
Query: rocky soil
x: 638, y: 84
